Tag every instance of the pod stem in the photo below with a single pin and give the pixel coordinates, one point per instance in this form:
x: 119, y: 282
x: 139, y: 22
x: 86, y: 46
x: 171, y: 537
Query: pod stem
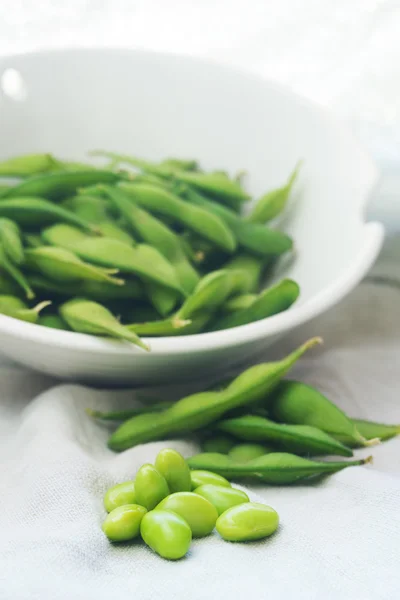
x: 368, y: 461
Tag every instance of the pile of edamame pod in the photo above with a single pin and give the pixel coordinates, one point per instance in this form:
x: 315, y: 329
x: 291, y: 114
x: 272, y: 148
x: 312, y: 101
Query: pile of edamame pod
x: 258, y: 427
x: 137, y: 248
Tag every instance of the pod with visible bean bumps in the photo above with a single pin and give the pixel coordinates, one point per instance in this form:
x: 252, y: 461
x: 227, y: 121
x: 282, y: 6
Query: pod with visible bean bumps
x: 150, y: 486
x: 174, y: 469
x: 119, y: 495
x: 123, y: 523
x: 167, y: 533
x: 16, y: 308
x: 273, y: 202
x: 243, y: 453
x: 247, y: 522
x: 219, y: 443
x: 222, y: 497
x: 197, y: 511
x: 199, y: 478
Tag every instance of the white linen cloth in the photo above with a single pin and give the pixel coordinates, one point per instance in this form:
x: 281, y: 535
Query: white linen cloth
x: 338, y: 539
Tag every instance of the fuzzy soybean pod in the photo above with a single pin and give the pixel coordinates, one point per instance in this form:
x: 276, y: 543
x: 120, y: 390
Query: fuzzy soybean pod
x: 62, y: 265
x: 150, y: 486
x: 174, y: 469
x: 160, y: 201
x: 252, y: 237
x: 243, y: 453
x: 251, y: 267
x: 53, y: 321
x: 300, y: 439
x: 369, y: 430
x: 273, y: 203
x: 142, y: 260
x: 154, y: 232
x: 12, y: 255
x: 219, y: 443
x: 36, y: 212
x: 15, y: 307
x: 60, y: 184
x: 217, y: 185
x: 198, y: 410
x: 239, y: 303
x: 62, y: 235
x: 298, y: 403
x: 276, y: 468
x: 271, y: 301
x: 172, y: 326
x: 85, y: 316
x: 27, y: 164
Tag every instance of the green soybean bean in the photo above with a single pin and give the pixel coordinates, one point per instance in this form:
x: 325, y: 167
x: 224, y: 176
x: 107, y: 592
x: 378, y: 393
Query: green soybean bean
x: 126, y: 414
x: 222, y: 497
x: 53, y: 321
x: 62, y: 265
x: 119, y: 495
x: 198, y: 410
x: 172, y: 326
x: 85, y: 316
x: 200, y: 477
x: 243, y: 453
x: 60, y: 184
x: 150, y: 486
x: 11, y: 240
x: 174, y: 469
x: 297, y: 403
x: 250, y: 236
x: 15, y: 307
x: 271, y: 301
x: 219, y: 443
x: 370, y: 431
x: 300, y: 439
x: 166, y: 533
x: 162, y: 202
x: 143, y: 260
x: 27, y: 165
x: 274, y: 468
x: 123, y: 523
x: 153, y: 231
x: 273, y: 203
x: 35, y: 212
x: 240, y: 302
x: 247, y: 522
x: 93, y: 290
x: 197, y: 511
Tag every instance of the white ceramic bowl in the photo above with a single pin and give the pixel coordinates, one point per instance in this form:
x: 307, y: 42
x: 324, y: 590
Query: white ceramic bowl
x: 155, y: 105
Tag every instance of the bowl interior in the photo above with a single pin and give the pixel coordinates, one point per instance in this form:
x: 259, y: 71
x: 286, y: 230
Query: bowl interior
x: 154, y: 105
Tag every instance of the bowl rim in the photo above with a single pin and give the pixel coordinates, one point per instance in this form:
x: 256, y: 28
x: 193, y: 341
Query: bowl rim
x: 236, y: 336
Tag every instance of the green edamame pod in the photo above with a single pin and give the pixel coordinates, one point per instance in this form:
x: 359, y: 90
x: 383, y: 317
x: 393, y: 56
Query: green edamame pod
x: 251, y: 267
x: 247, y: 522
x: 119, y: 495
x: 239, y: 303
x: 150, y: 486
x: 198, y: 410
x: 163, y: 299
x: 62, y: 265
x: 11, y: 241
x: 123, y: 523
x: 160, y: 201
x: 217, y: 185
x: 197, y: 511
x: 276, y: 468
x: 243, y: 453
x: 370, y: 431
x: 199, y: 478
x: 142, y: 260
x: 53, y: 321
x: 297, y: 403
x: 166, y: 533
x: 174, y: 469
x: 93, y: 290
x: 27, y: 165
x: 171, y: 327
x: 62, y: 235
x: 300, y: 439
x: 153, y: 231
x: 15, y: 307
x: 32, y: 240
x: 60, y: 184
x: 273, y: 203
x: 252, y: 237
x: 219, y: 443
x: 222, y: 497
x: 15, y: 274
x: 271, y: 301
x: 85, y: 316
x: 34, y: 212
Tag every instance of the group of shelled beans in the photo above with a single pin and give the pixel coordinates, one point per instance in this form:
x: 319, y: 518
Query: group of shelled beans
x: 257, y: 427
x: 137, y: 248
